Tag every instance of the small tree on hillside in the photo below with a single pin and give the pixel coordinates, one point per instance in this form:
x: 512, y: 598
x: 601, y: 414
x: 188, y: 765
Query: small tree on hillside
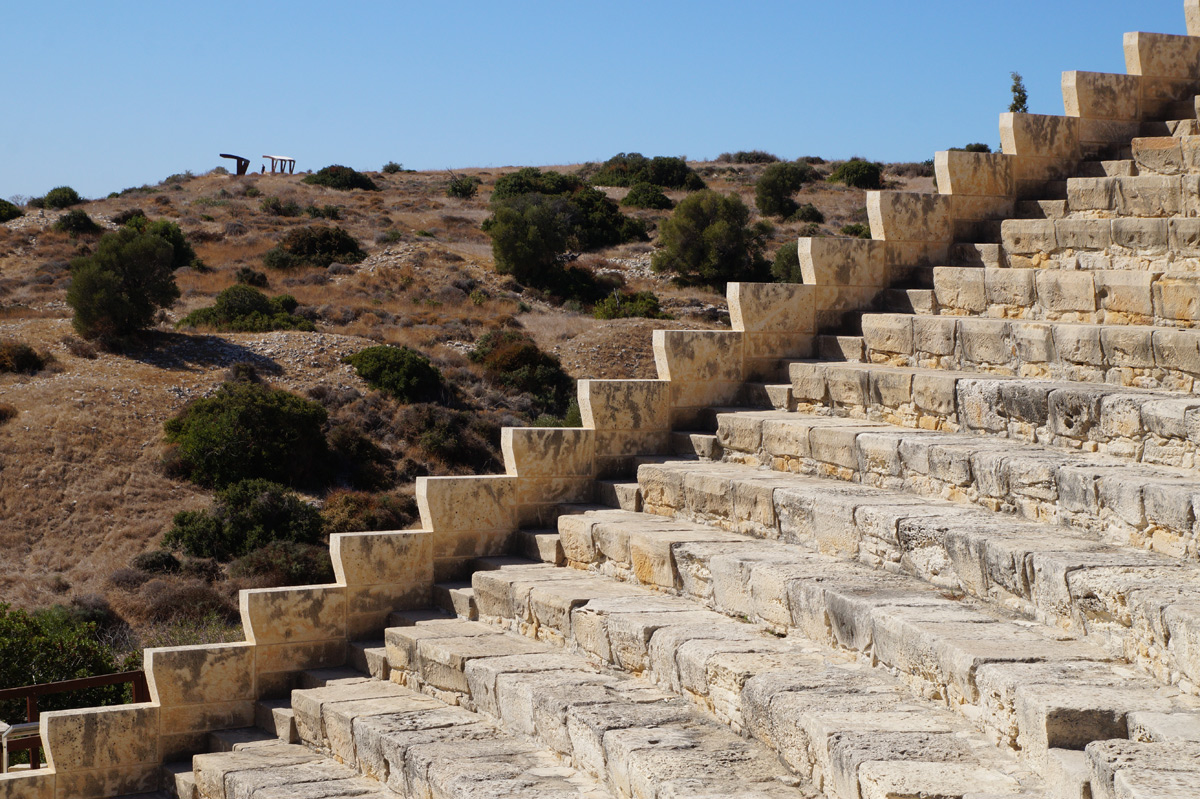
x: 709, y: 241
x: 1020, y: 97
x: 117, y: 290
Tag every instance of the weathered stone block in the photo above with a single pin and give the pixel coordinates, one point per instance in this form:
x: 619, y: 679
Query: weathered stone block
x: 1128, y: 346
x: 935, y: 335
x: 1144, y: 236
x: 1098, y: 95
x: 985, y: 341
x: 973, y: 174
x: 1029, y: 236
x: 185, y: 675
x: 1009, y: 287
x: 960, y: 288
x: 1078, y: 344
x: 1083, y: 234
x: 625, y: 404
x: 909, y: 216
x: 548, y: 452
x: 293, y: 615
x: 1062, y: 291
x: 828, y: 261
x: 1039, y: 136
x: 1124, y: 291
x: 892, y: 333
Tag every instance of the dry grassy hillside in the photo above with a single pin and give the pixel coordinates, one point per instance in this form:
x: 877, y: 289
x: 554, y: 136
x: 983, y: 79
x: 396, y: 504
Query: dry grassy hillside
x: 82, y: 489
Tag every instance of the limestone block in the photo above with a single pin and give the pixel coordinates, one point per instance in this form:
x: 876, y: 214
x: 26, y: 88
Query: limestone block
x: 1090, y: 194
x: 106, y: 782
x: 1136, y: 783
x: 1177, y: 350
x: 479, y: 503
x: 935, y: 335
x: 1074, y: 412
x: 934, y: 393
x: 1028, y: 236
x: 200, y: 719
x: 1143, y: 236
x: 27, y: 785
x: 891, y: 333
x: 771, y: 307
x: 808, y: 382
x: 909, y: 216
x: 1162, y: 55
x: 1166, y: 418
x: 698, y: 356
x: 985, y: 341
x: 849, y: 385
x: 1191, y: 10
x: 890, y: 388
x: 294, y: 615
x: 828, y: 261
x: 1098, y: 95
x: 1159, y: 154
x: 892, y: 779
x: 974, y: 174
x: 1182, y: 621
x: 782, y: 438
x: 1078, y: 344
x: 1039, y: 136
x: 101, y: 738
x: 531, y: 452
x: 1177, y: 299
x: 1147, y: 196
x: 1128, y: 346
x: 1149, y: 727
x: 381, y: 557
x: 624, y: 404
x: 1124, y: 291
x: 1097, y: 136
x: 1183, y: 236
x: 960, y: 288
x: 184, y: 675
x: 1063, y: 291
x: 1083, y: 234
x: 276, y: 662
x: 1109, y: 758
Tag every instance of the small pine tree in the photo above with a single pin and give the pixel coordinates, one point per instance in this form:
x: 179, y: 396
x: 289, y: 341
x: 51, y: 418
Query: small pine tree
x: 1020, y: 101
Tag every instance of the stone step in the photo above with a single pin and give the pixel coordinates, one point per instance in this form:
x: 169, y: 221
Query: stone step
x: 1182, y: 109
x: 698, y: 443
x: 769, y: 395
x: 1142, y: 297
x: 1167, y: 155
x: 642, y: 740
x: 413, y: 744
x: 909, y: 300
x: 1041, y: 209
x: 1010, y: 677
x: 236, y: 740
x: 1106, y: 169
x: 178, y: 781
x: 540, y: 545
x: 1157, y: 428
x: 975, y: 254
x: 1128, y: 770
x: 1143, y: 196
x: 840, y: 348
x: 1068, y: 580
x: 457, y: 599
x: 1143, y: 355
x: 276, y: 716
x: 281, y: 770
x: 1134, y: 244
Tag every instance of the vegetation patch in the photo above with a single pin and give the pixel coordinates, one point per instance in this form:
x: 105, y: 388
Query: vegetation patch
x: 785, y: 268
x: 459, y: 441
x: 76, y: 222
x: 281, y: 563
x: 61, y: 197
x: 362, y: 511
x: 858, y: 174
x: 244, y: 517
x: 242, y: 308
x: 315, y: 245
x: 16, y: 356
x: 621, y: 304
x: 463, y: 187
x: 341, y: 177
x: 747, y: 157
x: 775, y: 187
x: 647, y: 195
x: 709, y: 241
x: 118, y: 289
x: 512, y: 359
x: 9, y: 212
x: 627, y: 169
x: 403, y: 373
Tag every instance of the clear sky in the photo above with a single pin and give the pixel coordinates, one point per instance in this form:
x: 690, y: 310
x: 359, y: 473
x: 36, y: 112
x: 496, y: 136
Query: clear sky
x: 105, y: 95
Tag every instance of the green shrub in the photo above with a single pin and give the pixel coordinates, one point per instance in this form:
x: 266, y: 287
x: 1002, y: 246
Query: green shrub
x: 357, y: 460
x: 323, y: 212
x: 786, y: 266
x: 361, y: 511
x: 250, y: 277
x: 708, y: 241
x: 48, y: 646
x: 248, y: 430
x: 747, y: 157
x: 513, y: 360
x: 281, y: 563
x: 157, y: 561
x: 775, y: 187
x: 127, y: 216
x: 277, y: 207
x: 245, y: 516
x: 7, y: 412
x: 464, y: 187
x: 117, y: 290
x: 242, y: 308
x: 76, y: 222
x: 976, y: 147
x: 9, y: 212
x: 647, y: 195
x: 182, y: 253
x: 858, y: 174
x: 389, y: 236
x: 621, y: 304
x: 531, y: 180
x: 405, y: 374
x: 253, y: 191
x: 857, y: 230
x: 458, y: 440
x: 808, y: 213
x: 18, y: 357
x: 62, y: 197
x: 341, y: 177
x: 391, y: 168
x: 315, y: 245
x: 626, y: 169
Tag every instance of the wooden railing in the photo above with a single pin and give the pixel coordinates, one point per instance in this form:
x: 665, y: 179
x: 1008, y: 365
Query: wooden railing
x: 30, y: 693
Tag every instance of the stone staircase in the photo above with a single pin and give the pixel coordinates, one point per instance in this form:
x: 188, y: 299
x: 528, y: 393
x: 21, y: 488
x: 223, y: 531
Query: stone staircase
x: 925, y: 525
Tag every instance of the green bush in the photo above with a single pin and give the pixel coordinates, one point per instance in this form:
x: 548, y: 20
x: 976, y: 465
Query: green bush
x: 315, y: 245
x: 405, y: 374
x: 48, y: 646
x: 626, y: 169
x: 117, y: 290
x: 457, y: 440
x: 708, y: 241
x: 245, y: 309
x: 157, y: 561
x: 775, y: 187
x: 391, y: 168
x: 18, y: 357
x: 9, y: 212
x: 857, y: 230
x: 808, y: 213
x: 621, y: 304
x: 281, y: 563
x: 361, y: 511
x: 248, y: 430
x: 182, y: 253
x: 277, y: 207
x: 76, y: 222
x: 62, y: 197
x: 531, y: 180
x: 786, y: 266
x: 647, y: 195
x: 250, y: 277
x: 513, y: 360
x: 858, y: 174
x: 463, y: 187
x: 341, y: 177
x: 127, y: 216
x: 245, y: 516
x: 747, y: 157
x: 323, y: 212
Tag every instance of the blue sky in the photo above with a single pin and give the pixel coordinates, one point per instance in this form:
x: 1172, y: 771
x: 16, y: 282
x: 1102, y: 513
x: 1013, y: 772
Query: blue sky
x: 102, y: 96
